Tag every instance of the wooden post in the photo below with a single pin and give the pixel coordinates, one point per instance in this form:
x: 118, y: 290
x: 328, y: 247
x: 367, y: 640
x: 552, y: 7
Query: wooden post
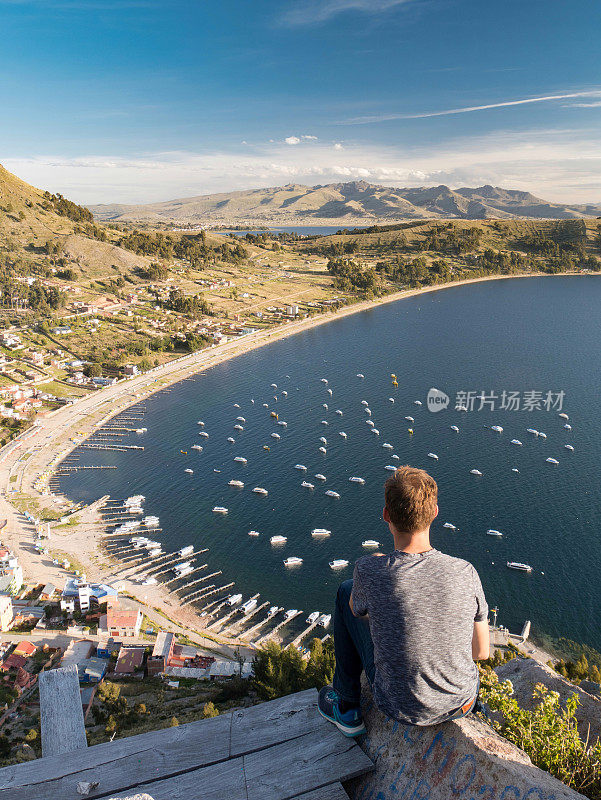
x: 61, y: 711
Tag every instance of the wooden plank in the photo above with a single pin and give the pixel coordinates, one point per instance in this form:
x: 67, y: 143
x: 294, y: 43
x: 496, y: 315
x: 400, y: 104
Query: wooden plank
x: 333, y: 791
x: 276, y: 721
x: 61, y: 712
x: 223, y: 781
x: 120, y: 764
x: 286, y: 770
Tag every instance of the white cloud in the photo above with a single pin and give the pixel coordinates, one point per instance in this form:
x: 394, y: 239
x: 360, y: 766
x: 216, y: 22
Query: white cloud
x: 298, y: 139
x: 469, y: 109
x: 596, y: 104
x: 557, y: 165
x: 292, y: 140
x: 309, y: 138
x: 312, y: 12
x: 338, y: 146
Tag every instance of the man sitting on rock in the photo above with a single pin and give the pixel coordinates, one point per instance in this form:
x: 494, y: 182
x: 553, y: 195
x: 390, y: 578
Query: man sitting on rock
x: 414, y: 620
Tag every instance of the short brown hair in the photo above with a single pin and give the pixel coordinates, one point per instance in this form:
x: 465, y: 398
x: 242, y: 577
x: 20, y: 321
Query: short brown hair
x: 411, y: 496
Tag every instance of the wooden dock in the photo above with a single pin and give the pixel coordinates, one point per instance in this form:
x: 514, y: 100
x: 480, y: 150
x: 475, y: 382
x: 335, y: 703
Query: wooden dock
x: 281, y: 750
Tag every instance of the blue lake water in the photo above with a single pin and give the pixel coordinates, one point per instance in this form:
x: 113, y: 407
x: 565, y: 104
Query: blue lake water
x: 523, y: 335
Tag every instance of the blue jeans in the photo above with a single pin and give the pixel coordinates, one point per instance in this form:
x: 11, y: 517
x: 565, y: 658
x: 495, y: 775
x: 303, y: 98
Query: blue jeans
x: 354, y: 651
x: 353, y: 647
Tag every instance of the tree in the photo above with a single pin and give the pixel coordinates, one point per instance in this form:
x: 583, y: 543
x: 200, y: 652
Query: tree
x: 209, y: 710
x: 92, y: 370
x: 173, y: 722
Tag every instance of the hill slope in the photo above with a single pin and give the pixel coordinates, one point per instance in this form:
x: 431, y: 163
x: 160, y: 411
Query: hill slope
x: 346, y: 203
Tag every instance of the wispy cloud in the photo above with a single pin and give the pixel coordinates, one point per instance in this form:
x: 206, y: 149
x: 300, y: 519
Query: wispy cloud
x: 557, y: 165
x: 596, y: 104
x: 312, y: 12
x: 469, y: 109
x: 298, y: 139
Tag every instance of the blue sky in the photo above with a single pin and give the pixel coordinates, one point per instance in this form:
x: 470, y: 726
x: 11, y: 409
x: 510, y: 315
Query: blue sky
x: 144, y: 100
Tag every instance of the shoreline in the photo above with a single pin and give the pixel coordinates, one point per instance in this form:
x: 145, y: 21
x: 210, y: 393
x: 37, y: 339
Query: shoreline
x: 42, y: 446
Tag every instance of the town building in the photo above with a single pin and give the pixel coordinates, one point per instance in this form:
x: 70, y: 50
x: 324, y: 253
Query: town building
x: 130, y: 660
x: 25, y: 649
x: 123, y: 622
x: 162, y: 653
x: 6, y: 612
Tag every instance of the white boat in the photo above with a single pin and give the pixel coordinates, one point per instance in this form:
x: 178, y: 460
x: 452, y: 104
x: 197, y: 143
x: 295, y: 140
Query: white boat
x: 320, y: 532
x: 186, y: 551
x: 238, y: 427
x: 493, y: 532
x: 320, y: 477
x: 360, y: 375
x: 450, y: 526
x: 300, y: 466
x: 307, y: 485
x: 417, y: 402
x: 323, y: 439
x: 409, y: 419
x: 514, y: 469
x: 567, y: 427
x: 455, y: 428
x: 312, y: 618
x: 293, y: 561
x: 292, y: 612
x: 329, y: 392
x: 338, y: 563
x: 189, y: 471
x: 388, y: 446
x: 220, y: 510
x: 282, y: 424
x: 240, y: 459
x: 151, y: 521
x: 260, y: 490
x: 155, y: 552
x: 325, y: 619
x: 275, y: 436
x: 265, y: 405
x: 324, y: 380
x: 496, y: 428
x: 198, y: 446
x: 253, y: 533
x: 247, y: 607
x: 516, y: 441
x: 568, y: 447
x: 332, y: 493
x: 370, y: 423
x: 150, y: 582
x: 278, y: 540
x: 325, y: 405
x: 324, y: 422
x: 339, y: 412
x: 364, y: 403
x: 370, y: 543
x: 323, y: 450
x: 433, y: 455
x: 532, y: 430
x: 376, y: 431
x: 551, y: 460
x: 368, y: 411
x: 390, y: 467
x: 240, y: 419
x: 542, y: 435
x: 284, y: 394
x: 357, y: 479
x: 233, y: 599
x: 231, y: 439
x: 274, y: 386
x: 391, y: 399
x: 200, y: 423
x: 397, y: 458
x: 273, y: 610
x: 519, y: 565
x: 179, y: 568
x: 203, y: 433
x: 475, y: 472
x: 237, y: 484
x: 342, y: 433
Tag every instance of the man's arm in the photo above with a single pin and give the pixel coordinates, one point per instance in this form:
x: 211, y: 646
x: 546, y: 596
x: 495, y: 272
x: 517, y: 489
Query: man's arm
x: 350, y: 602
x: 480, y: 641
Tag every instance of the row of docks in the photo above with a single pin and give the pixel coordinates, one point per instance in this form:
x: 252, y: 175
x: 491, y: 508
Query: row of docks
x: 141, y: 557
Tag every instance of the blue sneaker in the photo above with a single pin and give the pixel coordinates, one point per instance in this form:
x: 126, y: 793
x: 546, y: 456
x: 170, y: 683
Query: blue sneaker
x: 350, y: 723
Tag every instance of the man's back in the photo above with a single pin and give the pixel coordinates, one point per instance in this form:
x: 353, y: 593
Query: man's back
x: 422, y: 608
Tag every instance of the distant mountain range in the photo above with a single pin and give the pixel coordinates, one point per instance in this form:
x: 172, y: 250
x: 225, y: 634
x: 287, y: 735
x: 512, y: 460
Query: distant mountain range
x: 352, y: 203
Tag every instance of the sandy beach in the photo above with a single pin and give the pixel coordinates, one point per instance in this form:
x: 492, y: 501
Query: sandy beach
x: 23, y: 461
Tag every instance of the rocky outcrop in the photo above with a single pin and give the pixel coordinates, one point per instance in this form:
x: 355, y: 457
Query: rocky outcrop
x: 460, y: 759
x: 525, y: 673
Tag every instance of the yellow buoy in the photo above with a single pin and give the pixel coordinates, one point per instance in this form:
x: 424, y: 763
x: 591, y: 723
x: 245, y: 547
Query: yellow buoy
x: 185, y: 452
x: 393, y: 376
x: 410, y: 430
x: 395, y: 383
x: 265, y: 447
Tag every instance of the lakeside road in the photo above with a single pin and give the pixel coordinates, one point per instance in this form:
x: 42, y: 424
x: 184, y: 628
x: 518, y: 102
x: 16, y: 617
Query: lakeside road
x: 24, y: 460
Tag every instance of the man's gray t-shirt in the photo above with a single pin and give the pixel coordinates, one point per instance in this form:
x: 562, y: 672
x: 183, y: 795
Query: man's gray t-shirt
x: 422, y: 608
